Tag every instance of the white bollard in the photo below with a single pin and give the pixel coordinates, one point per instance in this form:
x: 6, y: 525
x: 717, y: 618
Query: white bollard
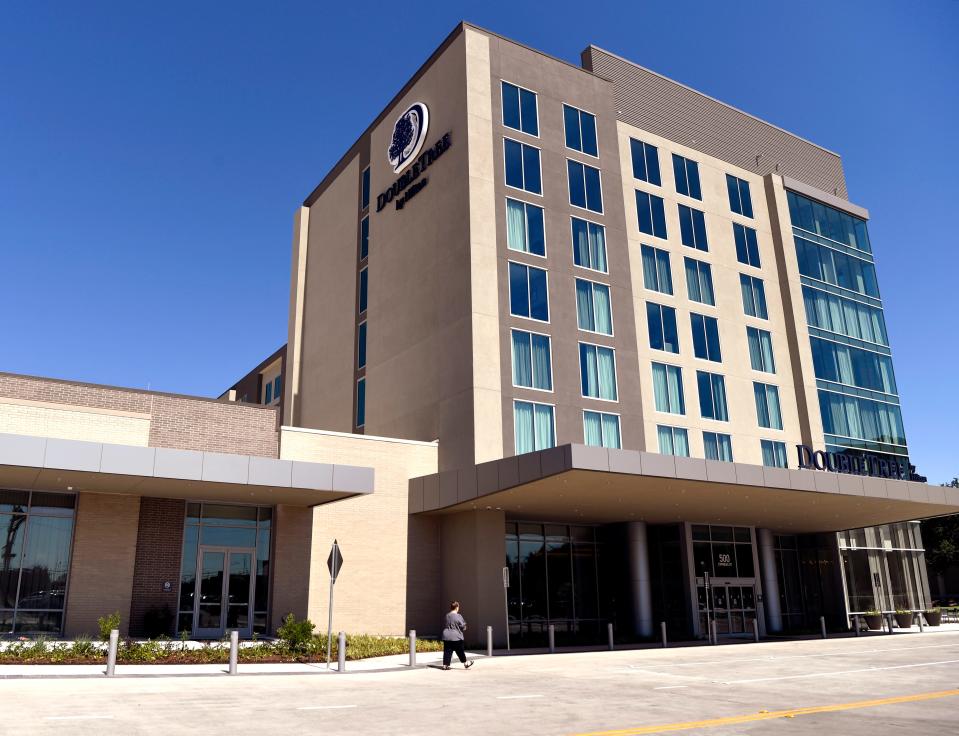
x: 822, y: 626
x: 341, y: 653
x: 412, y: 647
x: 755, y: 630
x: 919, y: 617
x: 552, y: 639
x: 112, y: 652
x: 855, y: 621
x: 489, y: 641
x: 609, y: 636
x: 662, y: 633
x: 234, y: 650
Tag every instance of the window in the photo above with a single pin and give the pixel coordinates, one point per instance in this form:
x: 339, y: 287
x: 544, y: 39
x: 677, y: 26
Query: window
x: 852, y: 366
x: 747, y: 248
x: 687, y: 177
x: 361, y: 402
x: 661, y: 322
x: 651, y: 214
x: 589, y: 245
x: 673, y: 441
x: 705, y: 337
x: 844, y: 316
x: 519, y: 109
x: 645, y: 161
x: 760, y: 350
x: 532, y: 361
x: 767, y: 406
x: 656, y: 272
x: 364, y: 290
x: 365, y: 189
x: 522, y: 166
x: 528, y: 296
x: 601, y: 429
x: 361, y: 345
x: 597, y: 370
x: 839, y: 269
x: 754, y: 296
x: 739, y: 199
x: 699, y: 282
x: 268, y: 393
x: 364, y: 237
x: 828, y: 222
x: 692, y: 228
x: 718, y: 446
x: 584, y: 186
x: 712, y: 396
x: 580, y: 130
x: 668, y: 388
x: 593, y: 310
x: 774, y: 453
x: 524, y: 228
x: 533, y: 426
x: 277, y: 387
x: 862, y: 419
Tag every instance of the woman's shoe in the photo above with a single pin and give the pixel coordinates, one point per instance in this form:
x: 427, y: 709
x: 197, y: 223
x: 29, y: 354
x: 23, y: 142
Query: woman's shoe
x: 446, y: 666
x: 468, y: 665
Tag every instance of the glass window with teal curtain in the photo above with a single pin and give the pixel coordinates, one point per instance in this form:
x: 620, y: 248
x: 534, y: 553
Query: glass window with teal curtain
x: 533, y: 426
x: 673, y: 441
x: 361, y: 402
x: 668, y: 388
x: 522, y: 166
x: 661, y: 322
x: 532, y: 363
x: 580, y: 130
x: 692, y: 228
x: 774, y: 453
x: 747, y: 247
x: 699, y: 282
x: 712, y: 396
x: 365, y: 189
x: 584, y: 186
x: 828, y: 222
x: 593, y: 310
x: 601, y: 429
x: 740, y: 201
x: 364, y: 237
x: 754, y: 296
x: 589, y: 245
x: 657, y: 275
x: 361, y: 345
x: 844, y: 316
x: 852, y: 366
x: 861, y: 419
x: 687, y: 177
x: 364, y: 290
x: 846, y: 271
x: 519, y: 109
x: 645, y: 161
x: 597, y: 368
x: 718, y: 446
x: 706, y: 337
x: 651, y: 213
x: 760, y: 350
x: 528, y: 294
x: 768, y: 412
x: 524, y: 227
x: 268, y: 397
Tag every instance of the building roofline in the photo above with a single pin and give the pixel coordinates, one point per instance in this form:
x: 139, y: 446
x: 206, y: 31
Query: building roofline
x: 259, y: 366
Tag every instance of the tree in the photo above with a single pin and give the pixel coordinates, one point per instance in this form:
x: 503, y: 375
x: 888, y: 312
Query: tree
x: 941, y: 539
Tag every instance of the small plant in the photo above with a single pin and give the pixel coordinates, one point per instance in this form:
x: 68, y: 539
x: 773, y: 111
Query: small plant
x: 83, y: 646
x: 296, y: 635
x: 934, y: 609
x: 902, y: 611
x: 107, y: 624
x: 872, y: 612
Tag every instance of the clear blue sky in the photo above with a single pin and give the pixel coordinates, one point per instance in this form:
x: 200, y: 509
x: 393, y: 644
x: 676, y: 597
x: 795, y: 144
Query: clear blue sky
x: 152, y: 155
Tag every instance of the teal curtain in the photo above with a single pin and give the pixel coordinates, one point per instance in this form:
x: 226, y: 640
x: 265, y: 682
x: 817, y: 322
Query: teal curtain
x: 719, y: 398
x: 766, y: 341
x: 523, y: 426
x: 772, y: 401
x: 611, y: 436
x: 680, y: 442
x: 602, y: 313
x: 516, y: 225
x: 674, y: 376
x: 650, y: 272
x: 597, y: 247
x: 664, y: 272
x: 762, y: 408
x: 584, y: 306
x: 755, y: 352
x: 581, y: 243
x: 522, y: 363
x: 588, y: 369
x: 592, y: 428
x: 692, y: 280
x: 724, y: 445
x: 769, y: 457
x: 665, y: 440
x: 542, y: 372
x: 660, y: 387
x: 606, y: 359
x: 544, y: 426
x: 844, y: 364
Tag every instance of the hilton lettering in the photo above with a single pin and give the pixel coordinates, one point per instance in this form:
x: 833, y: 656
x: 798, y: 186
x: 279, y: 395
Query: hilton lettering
x: 421, y: 164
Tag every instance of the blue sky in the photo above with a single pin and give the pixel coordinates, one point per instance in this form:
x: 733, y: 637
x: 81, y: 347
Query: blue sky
x: 152, y: 155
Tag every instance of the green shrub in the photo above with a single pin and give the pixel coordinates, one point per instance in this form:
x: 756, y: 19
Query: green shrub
x: 107, y: 624
x: 83, y: 646
x: 296, y: 635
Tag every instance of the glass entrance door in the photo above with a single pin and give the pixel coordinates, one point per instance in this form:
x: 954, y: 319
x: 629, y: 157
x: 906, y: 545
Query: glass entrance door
x: 224, y: 582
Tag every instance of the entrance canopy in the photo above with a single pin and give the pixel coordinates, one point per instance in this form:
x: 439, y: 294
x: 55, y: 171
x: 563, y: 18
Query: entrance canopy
x: 51, y: 464
x: 598, y: 485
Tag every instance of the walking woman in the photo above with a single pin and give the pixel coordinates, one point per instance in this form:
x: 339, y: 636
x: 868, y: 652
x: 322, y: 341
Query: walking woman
x: 453, y: 637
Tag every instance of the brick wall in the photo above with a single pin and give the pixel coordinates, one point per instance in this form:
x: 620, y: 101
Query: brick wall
x: 159, y: 545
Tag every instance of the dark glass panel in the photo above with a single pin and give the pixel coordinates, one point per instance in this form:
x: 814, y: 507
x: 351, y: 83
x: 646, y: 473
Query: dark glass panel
x: 652, y: 164
x: 699, y: 228
x: 577, y: 184
x: 538, y: 297
x: 686, y: 226
x: 518, y: 290
x: 571, y: 123
x: 218, y: 536
x: 588, y: 125
x: 46, y: 622
x: 594, y: 194
x: 702, y: 558
x: 744, y: 560
x: 46, y: 562
x: 639, y: 159
x: 527, y: 101
x: 229, y: 515
x: 184, y: 622
x: 535, y: 231
x: 510, y: 106
x: 12, y: 530
x: 699, y: 336
x: 741, y: 534
x: 531, y: 173
x: 679, y: 173
x: 53, y: 504
x: 514, y: 163
x: 659, y: 217
x: 644, y: 213
x: 14, y: 501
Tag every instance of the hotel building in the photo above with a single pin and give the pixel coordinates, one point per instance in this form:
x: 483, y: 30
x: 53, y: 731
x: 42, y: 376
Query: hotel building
x: 578, y: 327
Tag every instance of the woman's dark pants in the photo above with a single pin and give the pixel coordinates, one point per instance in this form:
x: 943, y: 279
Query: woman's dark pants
x: 453, y: 646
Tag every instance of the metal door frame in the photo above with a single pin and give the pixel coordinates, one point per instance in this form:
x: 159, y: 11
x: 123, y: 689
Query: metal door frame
x: 224, y: 592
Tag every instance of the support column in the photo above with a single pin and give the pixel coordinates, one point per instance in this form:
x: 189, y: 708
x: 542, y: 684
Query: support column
x: 770, y: 578
x: 639, y: 577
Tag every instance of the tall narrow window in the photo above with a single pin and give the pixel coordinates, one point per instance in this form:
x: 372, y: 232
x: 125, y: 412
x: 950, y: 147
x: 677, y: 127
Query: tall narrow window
x: 754, y: 296
x: 580, y: 130
x: 597, y: 367
x: 651, y: 214
x: 692, y: 228
x: 364, y: 237
x: 361, y: 402
x: 739, y: 200
x: 601, y: 429
x: 364, y: 289
x: 705, y: 337
x: 747, y: 247
x: 365, y: 189
x: 528, y: 294
x: 774, y: 453
x: 522, y: 166
x: 533, y: 426
x: 687, y: 177
x: 668, y: 388
x: 584, y: 186
x: 532, y: 361
x: 718, y: 446
x: 699, y: 282
x: 589, y: 245
x: 524, y: 227
x: 661, y: 321
x: 768, y: 412
x: 268, y: 395
x: 519, y: 109
x: 593, y: 310
x: 673, y: 441
x: 712, y: 396
x: 361, y: 345
x: 657, y: 275
x: 645, y: 161
x: 760, y: 350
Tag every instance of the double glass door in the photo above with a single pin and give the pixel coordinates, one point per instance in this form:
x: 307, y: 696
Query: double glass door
x: 224, y: 591
x: 731, y: 605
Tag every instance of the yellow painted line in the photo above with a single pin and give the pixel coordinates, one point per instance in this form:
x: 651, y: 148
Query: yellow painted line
x: 769, y: 715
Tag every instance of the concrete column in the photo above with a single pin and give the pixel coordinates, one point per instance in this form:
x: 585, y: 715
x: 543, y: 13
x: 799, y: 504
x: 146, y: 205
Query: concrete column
x: 639, y: 577
x: 770, y: 579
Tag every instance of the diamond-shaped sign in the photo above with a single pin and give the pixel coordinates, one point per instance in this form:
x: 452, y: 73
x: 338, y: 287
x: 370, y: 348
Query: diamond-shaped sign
x: 335, y: 561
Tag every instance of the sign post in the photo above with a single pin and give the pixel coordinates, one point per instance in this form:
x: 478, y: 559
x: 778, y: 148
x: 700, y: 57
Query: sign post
x: 709, y: 620
x: 335, y: 563
x: 506, y: 603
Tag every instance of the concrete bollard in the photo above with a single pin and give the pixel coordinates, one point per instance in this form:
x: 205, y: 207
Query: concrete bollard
x: 609, y: 636
x: 855, y: 623
x: 755, y: 630
x: 919, y: 617
x: 712, y: 631
x: 662, y: 633
x: 412, y: 647
x: 489, y: 641
x: 889, y: 622
x: 552, y: 639
x: 112, y: 652
x: 234, y: 650
x: 341, y: 652
x: 822, y: 626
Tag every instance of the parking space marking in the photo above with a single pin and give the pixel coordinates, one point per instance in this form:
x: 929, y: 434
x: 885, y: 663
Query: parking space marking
x: 841, y: 672
x: 77, y: 718
x: 516, y: 697
x: 324, y: 707
x: 670, y: 687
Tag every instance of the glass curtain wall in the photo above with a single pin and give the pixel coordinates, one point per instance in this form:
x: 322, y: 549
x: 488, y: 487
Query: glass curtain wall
x: 884, y: 568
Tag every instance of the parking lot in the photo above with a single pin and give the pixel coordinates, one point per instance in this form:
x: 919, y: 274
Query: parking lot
x: 874, y: 684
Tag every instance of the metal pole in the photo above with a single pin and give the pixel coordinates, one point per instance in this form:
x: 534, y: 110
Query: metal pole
x: 412, y: 647
x: 609, y: 635
x: 919, y: 616
x: 341, y: 653
x: 662, y: 633
x: 712, y: 625
x: 329, y: 626
x: 489, y: 641
x: 889, y: 622
x: 552, y: 639
x: 822, y: 626
x: 755, y: 630
x: 234, y: 650
x: 112, y: 652
x: 506, y: 611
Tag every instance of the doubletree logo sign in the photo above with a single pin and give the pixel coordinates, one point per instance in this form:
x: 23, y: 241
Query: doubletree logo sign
x: 408, y: 136
x: 405, y: 152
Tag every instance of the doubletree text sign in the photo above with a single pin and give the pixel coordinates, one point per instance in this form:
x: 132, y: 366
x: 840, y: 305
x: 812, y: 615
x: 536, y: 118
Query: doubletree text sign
x: 865, y: 464
x: 409, y: 133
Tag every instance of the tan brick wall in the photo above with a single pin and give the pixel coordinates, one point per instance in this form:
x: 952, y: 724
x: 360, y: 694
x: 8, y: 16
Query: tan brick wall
x: 101, y: 570
x: 291, y: 560
x: 43, y: 419
x: 383, y: 563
